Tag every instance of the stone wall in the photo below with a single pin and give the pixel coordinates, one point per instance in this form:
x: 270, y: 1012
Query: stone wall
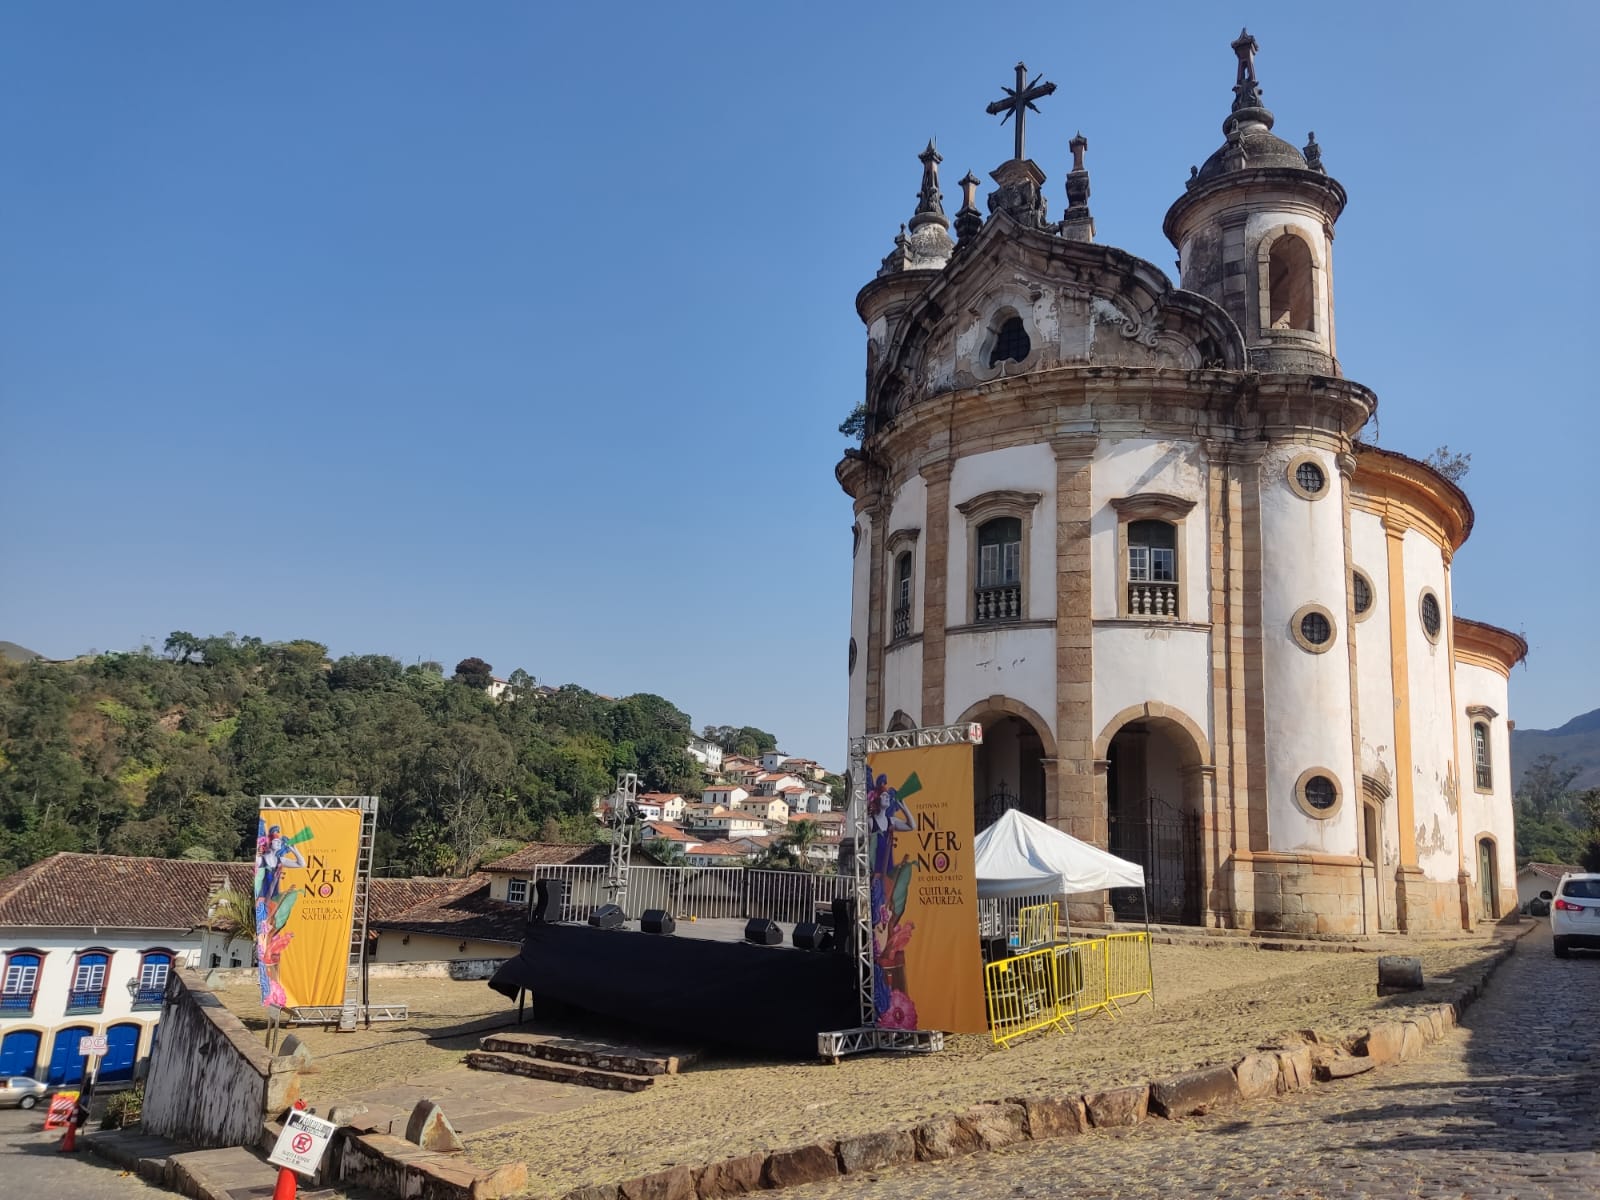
x: 211, y: 1081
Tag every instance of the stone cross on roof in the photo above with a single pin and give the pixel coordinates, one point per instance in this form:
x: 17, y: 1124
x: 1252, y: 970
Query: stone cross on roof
x: 1018, y: 101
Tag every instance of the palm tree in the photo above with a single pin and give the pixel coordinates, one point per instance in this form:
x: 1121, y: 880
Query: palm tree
x: 230, y: 911
x: 792, y: 849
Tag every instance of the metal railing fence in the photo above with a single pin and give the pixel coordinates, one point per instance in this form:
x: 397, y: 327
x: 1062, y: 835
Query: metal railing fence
x: 702, y: 893
x: 1040, y: 988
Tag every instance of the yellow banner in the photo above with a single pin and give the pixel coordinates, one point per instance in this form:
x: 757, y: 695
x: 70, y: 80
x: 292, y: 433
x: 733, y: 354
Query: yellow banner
x: 306, y: 862
x: 928, y: 968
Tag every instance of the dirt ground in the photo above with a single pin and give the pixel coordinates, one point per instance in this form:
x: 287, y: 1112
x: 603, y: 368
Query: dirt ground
x: 1211, y: 1005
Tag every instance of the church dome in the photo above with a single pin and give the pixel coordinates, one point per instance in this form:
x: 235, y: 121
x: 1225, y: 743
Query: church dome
x: 1261, y: 148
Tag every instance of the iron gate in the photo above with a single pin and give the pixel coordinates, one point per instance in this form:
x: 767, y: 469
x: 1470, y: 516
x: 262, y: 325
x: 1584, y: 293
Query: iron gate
x: 1165, y: 841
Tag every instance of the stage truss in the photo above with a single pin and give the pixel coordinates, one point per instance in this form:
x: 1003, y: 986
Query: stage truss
x: 624, y: 814
x: 867, y: 1036
x: 351, y: 1010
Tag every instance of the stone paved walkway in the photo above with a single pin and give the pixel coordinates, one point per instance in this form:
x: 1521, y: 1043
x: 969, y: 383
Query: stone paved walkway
x: 1507, y: 1107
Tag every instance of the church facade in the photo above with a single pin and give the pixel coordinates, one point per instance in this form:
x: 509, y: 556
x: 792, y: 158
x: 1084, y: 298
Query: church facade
x: 1130, y: 527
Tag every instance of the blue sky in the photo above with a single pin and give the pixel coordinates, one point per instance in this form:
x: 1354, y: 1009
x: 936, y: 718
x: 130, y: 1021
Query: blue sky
x: 523, y: 331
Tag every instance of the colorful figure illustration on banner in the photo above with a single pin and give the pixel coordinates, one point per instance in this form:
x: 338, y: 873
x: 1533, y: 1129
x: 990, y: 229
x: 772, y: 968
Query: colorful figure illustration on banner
x: 274, y: 855
x: 887, y: 815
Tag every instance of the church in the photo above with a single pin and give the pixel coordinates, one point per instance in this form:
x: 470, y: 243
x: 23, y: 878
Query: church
x: 1131, y: 527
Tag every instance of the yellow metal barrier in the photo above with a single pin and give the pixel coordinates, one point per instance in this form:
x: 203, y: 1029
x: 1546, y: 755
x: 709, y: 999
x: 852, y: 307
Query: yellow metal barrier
x: 1047, y: 987
x: 1036, y: 925
x: 1021, y: 993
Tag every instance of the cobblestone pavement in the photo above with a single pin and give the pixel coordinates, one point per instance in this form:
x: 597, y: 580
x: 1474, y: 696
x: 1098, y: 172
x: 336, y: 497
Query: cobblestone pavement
x: 1507, y: 1107
x: 34, y: 1169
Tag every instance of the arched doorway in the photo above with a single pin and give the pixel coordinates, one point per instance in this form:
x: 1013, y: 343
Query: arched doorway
x: 1008, y: 768
x: 1153, y: 819
x: 122, y: 1051
x: 19, y: 1052
x: 66, y: 1064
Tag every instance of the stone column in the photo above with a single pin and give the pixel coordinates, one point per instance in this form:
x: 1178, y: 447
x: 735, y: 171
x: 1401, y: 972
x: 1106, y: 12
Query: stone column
x: 935, y: 590
x: 1076, y: 804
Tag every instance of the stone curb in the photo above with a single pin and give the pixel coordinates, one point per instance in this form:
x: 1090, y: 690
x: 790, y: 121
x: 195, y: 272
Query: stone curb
x: 1262, y: 1073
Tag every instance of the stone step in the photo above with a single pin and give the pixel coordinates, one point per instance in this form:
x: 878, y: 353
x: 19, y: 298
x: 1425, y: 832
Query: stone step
x: 605, y: 1056
x: 557, y: 1072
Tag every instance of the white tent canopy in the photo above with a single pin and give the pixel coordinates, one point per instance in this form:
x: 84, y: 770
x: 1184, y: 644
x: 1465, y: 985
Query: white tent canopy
x: 1021, y: 856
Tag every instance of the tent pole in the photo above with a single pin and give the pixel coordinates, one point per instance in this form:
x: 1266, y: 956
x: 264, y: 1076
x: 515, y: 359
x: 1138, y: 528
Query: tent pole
x: 1149, y: 959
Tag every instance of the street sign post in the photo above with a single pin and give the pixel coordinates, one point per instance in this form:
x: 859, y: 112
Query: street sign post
x: 97, y: 1044
x: 302, y: 1143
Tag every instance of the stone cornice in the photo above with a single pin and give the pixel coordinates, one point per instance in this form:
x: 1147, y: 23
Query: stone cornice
x: 998, y: 503
x: 1409, y: 494
x: 1157, y: 505
x: 1480, y: 644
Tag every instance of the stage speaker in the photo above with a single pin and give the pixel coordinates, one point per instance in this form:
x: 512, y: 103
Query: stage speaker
x: 657, y: 920
x: 844, y: 920
x: 763, y: 932
x: 550, y: 897
x: 608, y: 916
x: 995, y: 948
x: 809, y: 935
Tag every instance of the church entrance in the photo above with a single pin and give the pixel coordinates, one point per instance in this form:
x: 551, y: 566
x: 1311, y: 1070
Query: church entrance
x: 1152, y: 821
x: 1008, y: 770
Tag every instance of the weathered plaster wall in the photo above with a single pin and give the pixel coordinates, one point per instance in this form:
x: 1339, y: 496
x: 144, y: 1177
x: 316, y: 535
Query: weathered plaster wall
x: 1487, y: 812
x: 1375, y: 677
x: 1435, y: 786
x: 1135, y: 664
x: 1308, y: 715
x: 1132, y: 467
x: 902, y: 681
x: 996, y: 661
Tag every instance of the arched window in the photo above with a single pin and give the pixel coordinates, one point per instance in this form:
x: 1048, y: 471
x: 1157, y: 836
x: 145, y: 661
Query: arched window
x: 1152, y: 569
x: 1289, y: 291
x: 1482, y: 767
x: 999, y: 591
x: 1011, y: 343
x: 902, y: 596
x: 88, y: 992
x: 20, y: 983
x: 154, y: 967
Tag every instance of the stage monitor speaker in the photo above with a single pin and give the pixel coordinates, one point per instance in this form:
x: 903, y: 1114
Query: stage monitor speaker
x: 550, y: 898
x: 809, y: 935
x: 995, y: 948
x: 763, y: 932
x: 844, y: 919
x: 608, y: 916
x: 657, y: 920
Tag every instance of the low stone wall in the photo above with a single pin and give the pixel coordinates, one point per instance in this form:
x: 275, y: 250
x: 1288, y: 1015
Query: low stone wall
x: 396, y: 1167
x: 211, y: 1082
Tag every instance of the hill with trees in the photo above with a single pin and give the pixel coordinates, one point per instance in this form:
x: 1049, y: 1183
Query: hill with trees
x: 165, y: 753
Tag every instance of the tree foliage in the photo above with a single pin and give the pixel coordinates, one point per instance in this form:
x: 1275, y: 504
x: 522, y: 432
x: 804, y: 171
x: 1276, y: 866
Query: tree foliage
x: 1449, y: 463
x: 166, y: 753
x: 1556, y: 824
x: 745, y: 739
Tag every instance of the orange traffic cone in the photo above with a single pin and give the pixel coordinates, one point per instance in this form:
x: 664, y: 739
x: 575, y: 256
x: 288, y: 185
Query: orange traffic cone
x: 70, y: 1143
x: 288, y: 1186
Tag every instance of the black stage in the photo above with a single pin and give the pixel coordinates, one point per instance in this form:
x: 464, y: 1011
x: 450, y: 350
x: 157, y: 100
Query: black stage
x: 699, y: 984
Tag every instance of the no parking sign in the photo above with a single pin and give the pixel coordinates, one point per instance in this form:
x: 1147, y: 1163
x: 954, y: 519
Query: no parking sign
x: 302, y: 1143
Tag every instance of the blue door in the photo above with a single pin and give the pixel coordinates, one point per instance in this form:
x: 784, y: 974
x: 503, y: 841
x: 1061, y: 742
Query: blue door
x: 66, y: 1064
x: 122, y: 1049
x: 19, y: 1052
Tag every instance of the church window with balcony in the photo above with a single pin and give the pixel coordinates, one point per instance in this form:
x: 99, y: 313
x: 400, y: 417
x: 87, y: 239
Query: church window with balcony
x: 902, y: 596
x: 1152, y: 569
x: 999, y: 591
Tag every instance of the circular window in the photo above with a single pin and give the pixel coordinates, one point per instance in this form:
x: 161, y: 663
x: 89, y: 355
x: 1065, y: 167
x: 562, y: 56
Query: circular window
x: 1361, y: 593
x: 1317, y: 793
x: 1431, y: 618
x: 1307, y: 478
x: 852, y: 669
x: 1312, y: 629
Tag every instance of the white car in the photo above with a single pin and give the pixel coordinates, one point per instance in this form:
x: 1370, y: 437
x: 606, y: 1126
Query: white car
x: 1575, y: 914
x: 21, y: 1091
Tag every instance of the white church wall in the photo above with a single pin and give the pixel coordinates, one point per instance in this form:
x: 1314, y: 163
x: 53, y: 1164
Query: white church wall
x: 1128, y: 468
x: 902, y: 682
x: 1486, y: 812
x: 909, y: 511
x: 1369, y: 552
x: 1435, y: 787
x: 1135, y: 665
x: 1307, y: 695
x: 995, y: 661
x: 1022, y: 468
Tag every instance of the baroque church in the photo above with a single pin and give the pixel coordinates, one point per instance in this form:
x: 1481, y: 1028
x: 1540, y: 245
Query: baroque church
x: 1130, y: 526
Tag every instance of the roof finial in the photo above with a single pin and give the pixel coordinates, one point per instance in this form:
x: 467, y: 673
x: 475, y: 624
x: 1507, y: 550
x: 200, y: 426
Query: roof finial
x: 1246, y: 86
x: 1076, y: 223
x: 1313, y: 153
x: 1018, y: 102
x: 969, y: 220
x: 930, y: 203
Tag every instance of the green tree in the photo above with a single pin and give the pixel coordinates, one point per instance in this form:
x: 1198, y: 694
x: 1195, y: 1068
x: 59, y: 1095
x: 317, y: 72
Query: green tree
x: 1452, y: 465
x: 475, y: 673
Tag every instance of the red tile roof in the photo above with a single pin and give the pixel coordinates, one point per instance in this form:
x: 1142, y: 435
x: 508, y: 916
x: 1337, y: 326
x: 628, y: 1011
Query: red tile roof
x: 548, y: 854
x: 462, y: 911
